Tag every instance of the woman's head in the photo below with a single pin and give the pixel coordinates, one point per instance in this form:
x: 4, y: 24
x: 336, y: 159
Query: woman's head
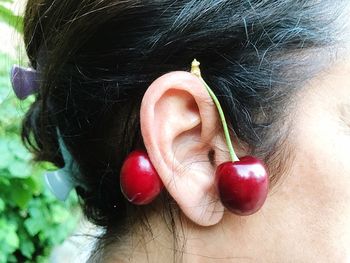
x: 100, y: 59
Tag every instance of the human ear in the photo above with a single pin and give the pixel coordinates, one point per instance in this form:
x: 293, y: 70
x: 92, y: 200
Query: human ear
x: 180, y: 128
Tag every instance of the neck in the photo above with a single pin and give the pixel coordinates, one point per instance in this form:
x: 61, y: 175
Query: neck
x: 190, y: 243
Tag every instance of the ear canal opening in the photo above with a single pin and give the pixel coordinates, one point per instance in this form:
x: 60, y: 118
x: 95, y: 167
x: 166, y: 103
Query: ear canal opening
x: 211, y: 157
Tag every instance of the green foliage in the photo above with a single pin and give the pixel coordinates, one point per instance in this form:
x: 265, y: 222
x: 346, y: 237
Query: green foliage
x: 32, y: 221
x: 7, y: 16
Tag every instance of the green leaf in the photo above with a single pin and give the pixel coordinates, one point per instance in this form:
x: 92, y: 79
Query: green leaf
x: 59, y: 214
x: 33, y: 227
x: 12, y: 239
x: 6, y: 159
x: 33, y: 185
x: 6, y: 156
x: 18, y: 149
x: 19, y: 169
x: 8, y: 237
x: 27, y: 248
x: 11, y: 19
x: 7, y: 1
x: 20, y: 193
x: 4, y: 182
x: 2, y: 205
x: 11, y: 259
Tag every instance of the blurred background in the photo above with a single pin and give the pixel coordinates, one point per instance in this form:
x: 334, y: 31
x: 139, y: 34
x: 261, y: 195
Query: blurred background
x: 34, y: 225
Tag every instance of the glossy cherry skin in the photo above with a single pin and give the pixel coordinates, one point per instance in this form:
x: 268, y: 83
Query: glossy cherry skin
x: 242, y: 185
x: 139, y: 181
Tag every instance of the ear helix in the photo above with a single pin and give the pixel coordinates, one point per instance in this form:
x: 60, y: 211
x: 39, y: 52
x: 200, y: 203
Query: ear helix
x: 242, y: 184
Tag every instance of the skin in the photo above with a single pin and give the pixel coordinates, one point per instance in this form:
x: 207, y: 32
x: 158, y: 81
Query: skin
x: 306, y: 217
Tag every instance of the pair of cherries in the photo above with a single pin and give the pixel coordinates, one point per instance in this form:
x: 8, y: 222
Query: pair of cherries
x: 242, y: 184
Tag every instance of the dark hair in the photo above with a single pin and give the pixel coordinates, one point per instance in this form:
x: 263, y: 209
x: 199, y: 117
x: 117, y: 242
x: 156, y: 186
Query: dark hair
x: 97, y: 58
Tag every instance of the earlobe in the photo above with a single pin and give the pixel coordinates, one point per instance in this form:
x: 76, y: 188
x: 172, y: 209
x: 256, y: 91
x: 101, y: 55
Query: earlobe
x: 179, y: 125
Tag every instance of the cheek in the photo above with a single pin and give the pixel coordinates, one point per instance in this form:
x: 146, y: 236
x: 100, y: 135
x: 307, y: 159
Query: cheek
x: 323, y: 153
x: 320, y: 179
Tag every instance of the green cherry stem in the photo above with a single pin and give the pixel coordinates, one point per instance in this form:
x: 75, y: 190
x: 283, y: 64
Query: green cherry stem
x: 196, y: 71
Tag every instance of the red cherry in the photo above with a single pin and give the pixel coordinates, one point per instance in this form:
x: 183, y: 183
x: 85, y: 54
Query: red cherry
x: 242, y: 185
x: 139, y: 181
